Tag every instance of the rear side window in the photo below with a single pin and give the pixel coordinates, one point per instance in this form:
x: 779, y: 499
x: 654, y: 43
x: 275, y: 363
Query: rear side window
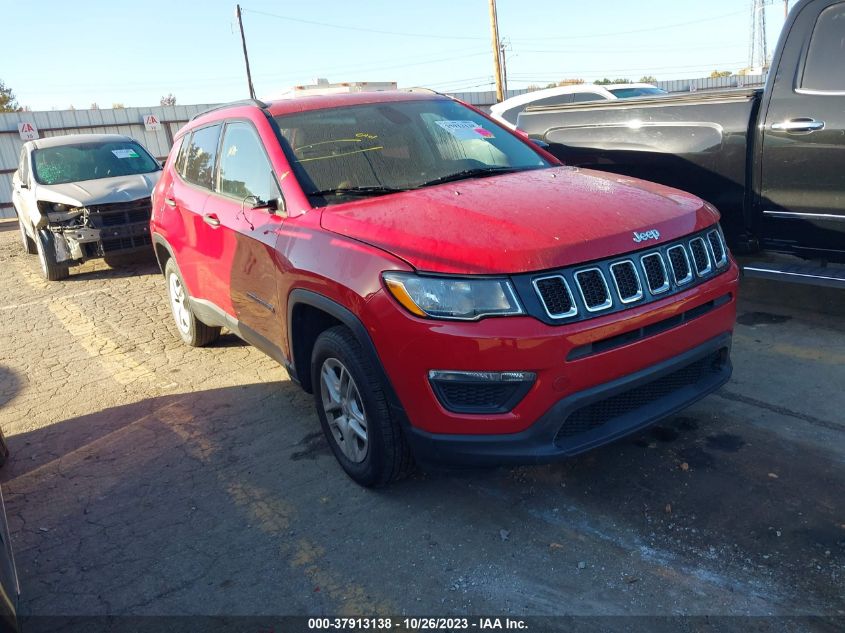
x: 244, y: 167
x: 824, y: 69
x: 578, y: 97
x: 554, y: 101
x: 511, y: 114
x: 200, y: 156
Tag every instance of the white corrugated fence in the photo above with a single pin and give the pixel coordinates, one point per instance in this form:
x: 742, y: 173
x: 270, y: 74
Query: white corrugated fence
x: 128, y: 121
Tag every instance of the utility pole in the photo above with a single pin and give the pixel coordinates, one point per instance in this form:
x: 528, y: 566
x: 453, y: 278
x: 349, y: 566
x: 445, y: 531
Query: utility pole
x: 497, y: 65
x: 503, y: 51
x: 785, y: 9
x: 758, y: 53
x: 246, y: 57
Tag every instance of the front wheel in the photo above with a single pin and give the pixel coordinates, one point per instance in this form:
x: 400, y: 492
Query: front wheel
x: 50, y: 268
x: 352, y: 407
x: 191, y: 330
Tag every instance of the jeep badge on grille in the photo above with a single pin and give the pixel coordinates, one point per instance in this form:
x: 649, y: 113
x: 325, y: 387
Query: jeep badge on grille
x: 653, y: 234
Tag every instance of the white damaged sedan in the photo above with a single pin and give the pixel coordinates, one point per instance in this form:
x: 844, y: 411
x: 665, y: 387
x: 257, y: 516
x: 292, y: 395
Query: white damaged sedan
x: 83, y: 196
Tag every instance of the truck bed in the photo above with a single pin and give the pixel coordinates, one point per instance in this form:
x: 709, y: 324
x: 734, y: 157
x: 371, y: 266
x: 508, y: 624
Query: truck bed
x: 693, y: 141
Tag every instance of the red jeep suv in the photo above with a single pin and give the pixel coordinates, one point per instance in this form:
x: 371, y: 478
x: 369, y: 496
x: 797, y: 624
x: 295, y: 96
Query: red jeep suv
x: 446, y: 289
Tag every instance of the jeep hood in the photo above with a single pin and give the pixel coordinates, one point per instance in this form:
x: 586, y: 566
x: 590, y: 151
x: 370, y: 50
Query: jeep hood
x: 101, y: 190
x: 520, y: 222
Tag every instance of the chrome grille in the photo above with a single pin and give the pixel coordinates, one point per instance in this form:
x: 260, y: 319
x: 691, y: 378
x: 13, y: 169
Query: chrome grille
x: 717, y: 247
x: 700, y: 256
x: 594, y: 290
x: 627, y: 281
x: 556, y: 296
x: 655, y: 272
x: 617, y: 283
x: 679, y: 263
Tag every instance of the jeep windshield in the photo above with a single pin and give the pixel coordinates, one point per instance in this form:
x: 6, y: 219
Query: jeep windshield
x: 89, y: 161
x: 339, y: 154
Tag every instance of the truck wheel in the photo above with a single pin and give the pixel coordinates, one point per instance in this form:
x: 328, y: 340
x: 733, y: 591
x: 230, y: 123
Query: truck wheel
x: 28, y: 242
x: 50, y: 268
x: 353, y: 411
x: 192, y: 331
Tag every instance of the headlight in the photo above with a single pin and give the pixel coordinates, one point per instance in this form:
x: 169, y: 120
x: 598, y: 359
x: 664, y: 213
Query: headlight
x: 453, y: 298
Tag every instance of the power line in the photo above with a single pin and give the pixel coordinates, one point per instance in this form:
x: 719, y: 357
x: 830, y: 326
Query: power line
x: 644, y: 30
x: 469, y: 37
x: 364, y: 29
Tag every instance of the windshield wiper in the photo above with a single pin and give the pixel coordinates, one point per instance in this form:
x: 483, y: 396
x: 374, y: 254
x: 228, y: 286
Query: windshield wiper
x: 356, y: 191
x: 470, y: 173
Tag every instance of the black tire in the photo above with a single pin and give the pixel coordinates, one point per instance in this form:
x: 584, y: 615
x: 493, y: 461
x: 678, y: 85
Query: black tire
x: 28, y: 243
x: 190, y: 329
x: 50, y: 269
x: 387, y: 456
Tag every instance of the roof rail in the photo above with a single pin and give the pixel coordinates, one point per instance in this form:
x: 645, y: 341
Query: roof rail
x: 254, y: 102
x: 419, y: 89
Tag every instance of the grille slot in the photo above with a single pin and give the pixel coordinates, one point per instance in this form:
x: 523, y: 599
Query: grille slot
x: 700, y: 256
x: 655, y: 272
x: 121, y: 213
x: 627, y: 281
x: 459, y: 396
x: 594, y: 290
x: 597, y: 414
x: 679, y: 262
x: 718, y: 248
x: 556, y: 297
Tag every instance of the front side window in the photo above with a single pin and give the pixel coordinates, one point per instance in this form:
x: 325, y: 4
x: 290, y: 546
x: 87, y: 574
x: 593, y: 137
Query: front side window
x: 824, y: 69
x: 245, y: 170
x: 87, y: 160
x: 23, y: 167
x: 381, y: 148
x: 200, y: 155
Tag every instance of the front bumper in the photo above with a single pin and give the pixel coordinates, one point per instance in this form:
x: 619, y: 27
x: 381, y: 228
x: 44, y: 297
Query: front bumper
x: 616, y: 408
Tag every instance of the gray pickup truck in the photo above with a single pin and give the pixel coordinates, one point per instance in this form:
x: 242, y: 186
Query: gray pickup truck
x: 772, y: 161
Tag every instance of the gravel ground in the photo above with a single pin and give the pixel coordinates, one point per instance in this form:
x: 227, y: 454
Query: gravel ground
x: 148, y: 478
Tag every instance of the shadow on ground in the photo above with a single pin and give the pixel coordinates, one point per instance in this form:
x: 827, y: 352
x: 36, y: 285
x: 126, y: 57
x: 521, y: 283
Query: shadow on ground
x: 229, y: 501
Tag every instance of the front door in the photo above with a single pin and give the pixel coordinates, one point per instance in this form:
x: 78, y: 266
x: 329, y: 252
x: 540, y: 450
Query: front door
x: 246, y: 183
x: 802, y: 195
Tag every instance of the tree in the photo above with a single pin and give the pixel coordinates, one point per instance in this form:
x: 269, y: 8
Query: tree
x: 720, y: 73
x: 648, y: 79
x: 606, y: 81
x: 94, y: 106
x: 570, y: 82
x: 8, y: 102
x: 118, y: 106
x: 168, y: 100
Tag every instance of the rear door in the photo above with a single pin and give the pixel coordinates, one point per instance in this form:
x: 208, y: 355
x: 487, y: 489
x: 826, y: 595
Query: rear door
x: 246, y: 180
x: 206, y: 248
x: 802, y: 179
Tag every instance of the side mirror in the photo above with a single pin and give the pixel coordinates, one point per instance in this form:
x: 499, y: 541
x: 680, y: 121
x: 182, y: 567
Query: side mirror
x: 276, y: 206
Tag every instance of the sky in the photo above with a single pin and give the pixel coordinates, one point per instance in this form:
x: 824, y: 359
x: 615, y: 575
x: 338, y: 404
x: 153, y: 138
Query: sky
x: 59, y: 53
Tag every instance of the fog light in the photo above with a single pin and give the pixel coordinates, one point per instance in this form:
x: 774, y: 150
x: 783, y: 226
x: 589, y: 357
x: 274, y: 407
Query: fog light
x: 480, y: 391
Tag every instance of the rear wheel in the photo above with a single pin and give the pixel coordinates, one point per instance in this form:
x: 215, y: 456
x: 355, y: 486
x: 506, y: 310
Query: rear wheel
x: 352, y: 407
x: 191, y: 330
x: 26, y: 240
x: 50, y: 268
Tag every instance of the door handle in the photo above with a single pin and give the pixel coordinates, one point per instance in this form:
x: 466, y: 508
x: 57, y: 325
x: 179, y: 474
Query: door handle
x: 211, y: 220
x: 803, y: 124
x: 170, y: 202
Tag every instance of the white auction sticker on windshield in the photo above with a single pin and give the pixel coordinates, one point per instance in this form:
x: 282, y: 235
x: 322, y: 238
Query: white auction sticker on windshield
x: 125, y: 153
x: 465, y: 130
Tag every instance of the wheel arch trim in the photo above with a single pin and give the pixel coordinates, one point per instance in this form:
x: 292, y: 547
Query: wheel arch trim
x: 301, y: 296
